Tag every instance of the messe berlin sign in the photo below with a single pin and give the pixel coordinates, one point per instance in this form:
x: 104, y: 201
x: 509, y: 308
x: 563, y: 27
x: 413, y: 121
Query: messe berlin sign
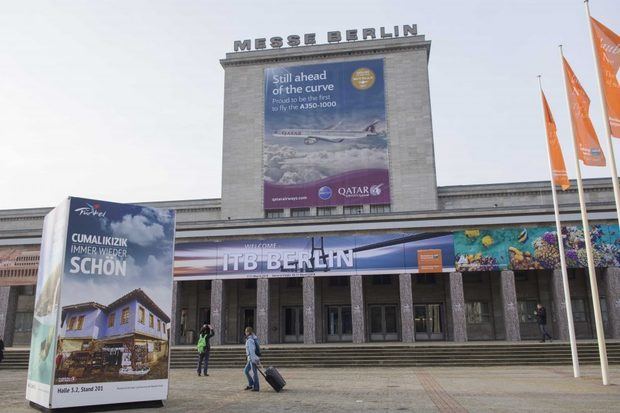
x: 336, y: 36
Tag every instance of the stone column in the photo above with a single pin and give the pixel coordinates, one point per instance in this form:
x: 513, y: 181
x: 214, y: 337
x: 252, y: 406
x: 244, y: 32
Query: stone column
x: 558, y: 308
x: 358, y: 309
x: 175, y: 313
x: 457, y: 301
x: 218, y: 311
x: 8, y: 307
x: 509, y: 306
x: 310, y: 308
x: 611, y: 288
x: 406, y: 308
x: 263, y: 303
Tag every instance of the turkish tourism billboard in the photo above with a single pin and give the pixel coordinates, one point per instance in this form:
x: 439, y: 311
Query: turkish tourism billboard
x: 325, y: 136
x: 533, y: 248
x: 112, y: 305
x: 392, y: 253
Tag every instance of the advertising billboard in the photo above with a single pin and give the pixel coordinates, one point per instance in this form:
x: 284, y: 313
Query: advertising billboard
x: 533, y: 248
x: 112, y: 298
x: 392, y: 253
x: 325, y: 136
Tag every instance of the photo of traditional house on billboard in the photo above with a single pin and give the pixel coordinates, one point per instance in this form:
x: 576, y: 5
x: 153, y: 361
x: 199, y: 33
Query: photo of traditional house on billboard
x: 103, y: 305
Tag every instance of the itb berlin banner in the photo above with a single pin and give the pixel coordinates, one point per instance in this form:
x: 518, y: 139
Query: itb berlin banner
x: 103, y: 305
x: 325, y: 137
x: 392, y: 253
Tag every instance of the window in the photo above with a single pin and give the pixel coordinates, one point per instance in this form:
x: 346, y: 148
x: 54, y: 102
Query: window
x: 111, y: 318
x: 151, y: 321
x: 80, y: 322
x: 425, y: 279
x: 604, y: 310
x: 352, y: 210
x: 274, y: 213
x: 71, y: 325
x: 325, y: 211
x: 579, y: 309
x: 527, y: 308
x: 294, y: 282
x: 125, y: 316
x: 250, y: 284
x: 338, y: 281
x: 477, y: 312
x: 23, y: 322
x: 472, y: 277
x: 300, y: 212
x: 158, y: 324
x: 380, y: 209
x: 381, y: 280
x: 141, y: 315
x: 520, y: 275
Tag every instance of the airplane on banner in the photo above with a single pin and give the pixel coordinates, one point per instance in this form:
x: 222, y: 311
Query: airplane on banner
x: 330, y: 134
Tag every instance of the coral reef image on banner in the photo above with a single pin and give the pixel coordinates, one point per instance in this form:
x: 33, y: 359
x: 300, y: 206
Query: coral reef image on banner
x: 533, y: 248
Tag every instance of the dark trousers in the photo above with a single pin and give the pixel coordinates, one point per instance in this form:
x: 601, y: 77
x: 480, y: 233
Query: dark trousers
x: 203, y: 358
x: 543, y: 331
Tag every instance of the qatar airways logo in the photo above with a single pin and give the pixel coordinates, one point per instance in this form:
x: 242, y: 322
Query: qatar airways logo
x: 91, y: 210
x: 360, y: 191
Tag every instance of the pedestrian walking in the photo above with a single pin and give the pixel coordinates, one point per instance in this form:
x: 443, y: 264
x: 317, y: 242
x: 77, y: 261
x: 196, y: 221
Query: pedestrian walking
x: 252, y: 351
x: 204, y: 348
x: 541, y: 319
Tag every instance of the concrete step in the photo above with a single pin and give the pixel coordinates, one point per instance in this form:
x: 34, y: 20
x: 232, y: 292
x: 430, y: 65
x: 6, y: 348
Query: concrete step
x: 381, y: 355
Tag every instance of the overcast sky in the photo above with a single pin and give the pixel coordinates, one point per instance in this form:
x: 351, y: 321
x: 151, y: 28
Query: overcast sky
x: 122, y: 100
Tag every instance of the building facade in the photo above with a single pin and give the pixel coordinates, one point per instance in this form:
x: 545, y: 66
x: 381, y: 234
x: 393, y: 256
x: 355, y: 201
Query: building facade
x: 468, y: 297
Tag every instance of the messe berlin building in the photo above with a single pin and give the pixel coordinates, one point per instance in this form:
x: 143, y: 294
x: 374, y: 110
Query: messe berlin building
x: 331, y: 226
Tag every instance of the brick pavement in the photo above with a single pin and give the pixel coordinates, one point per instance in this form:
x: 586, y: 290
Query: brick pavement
x: 501, y: 389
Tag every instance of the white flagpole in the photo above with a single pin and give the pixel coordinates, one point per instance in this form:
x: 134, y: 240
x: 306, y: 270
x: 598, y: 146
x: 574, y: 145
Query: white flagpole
x: 558, y: 228
x: 601, y: 90
x: 596, y: 303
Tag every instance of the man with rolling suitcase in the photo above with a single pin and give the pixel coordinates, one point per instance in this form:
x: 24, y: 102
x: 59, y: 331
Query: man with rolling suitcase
x: 252, y: 352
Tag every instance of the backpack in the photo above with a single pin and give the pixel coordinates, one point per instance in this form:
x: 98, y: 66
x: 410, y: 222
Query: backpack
x: 202, y: 344
x: 257, y: 348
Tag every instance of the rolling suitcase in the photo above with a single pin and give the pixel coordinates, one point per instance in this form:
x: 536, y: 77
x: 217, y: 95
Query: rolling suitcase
x: 274, y: 378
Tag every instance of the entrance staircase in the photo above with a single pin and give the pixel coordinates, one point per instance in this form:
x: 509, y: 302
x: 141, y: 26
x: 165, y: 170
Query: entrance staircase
x: 474, y: 354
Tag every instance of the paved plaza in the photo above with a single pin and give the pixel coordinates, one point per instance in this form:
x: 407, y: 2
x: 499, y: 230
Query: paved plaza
x: 516, y: 389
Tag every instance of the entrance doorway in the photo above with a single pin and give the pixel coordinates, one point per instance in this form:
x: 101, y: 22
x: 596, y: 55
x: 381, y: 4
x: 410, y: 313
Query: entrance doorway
x: 428, y: 320
x: 247, y: 320
x: 293, y: 325
x: 339, y: 323
x: 383, y: 323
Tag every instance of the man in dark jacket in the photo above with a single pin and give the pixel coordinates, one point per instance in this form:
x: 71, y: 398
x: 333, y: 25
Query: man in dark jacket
x: 541, y: 319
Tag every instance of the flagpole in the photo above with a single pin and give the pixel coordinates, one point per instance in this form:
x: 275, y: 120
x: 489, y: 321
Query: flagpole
x: 558, y: 228
x: 601, y: 90
x: 596, y: 303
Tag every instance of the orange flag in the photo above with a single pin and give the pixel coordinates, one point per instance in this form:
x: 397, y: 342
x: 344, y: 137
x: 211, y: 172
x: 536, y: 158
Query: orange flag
x: 560, y: 177
x: 607, y: 45
x: 590, y: 151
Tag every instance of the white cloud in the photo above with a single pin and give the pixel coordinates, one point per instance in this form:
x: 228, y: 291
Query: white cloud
x: 286, y: 165
x: 138, y: 229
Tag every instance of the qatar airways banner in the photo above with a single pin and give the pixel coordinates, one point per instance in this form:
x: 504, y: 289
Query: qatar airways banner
x: 325, y: 138
x: 103, y: 303
x: 392, y: 253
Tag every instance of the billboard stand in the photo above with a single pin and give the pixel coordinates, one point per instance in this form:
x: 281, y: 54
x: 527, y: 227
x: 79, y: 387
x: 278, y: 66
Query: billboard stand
x: 101, y: 325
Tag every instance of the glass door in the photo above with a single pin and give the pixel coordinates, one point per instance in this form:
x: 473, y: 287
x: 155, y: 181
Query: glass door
x: 383, y: 323
x: 293, y: 325
x: 339, y: 323
x: 428, y: 321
